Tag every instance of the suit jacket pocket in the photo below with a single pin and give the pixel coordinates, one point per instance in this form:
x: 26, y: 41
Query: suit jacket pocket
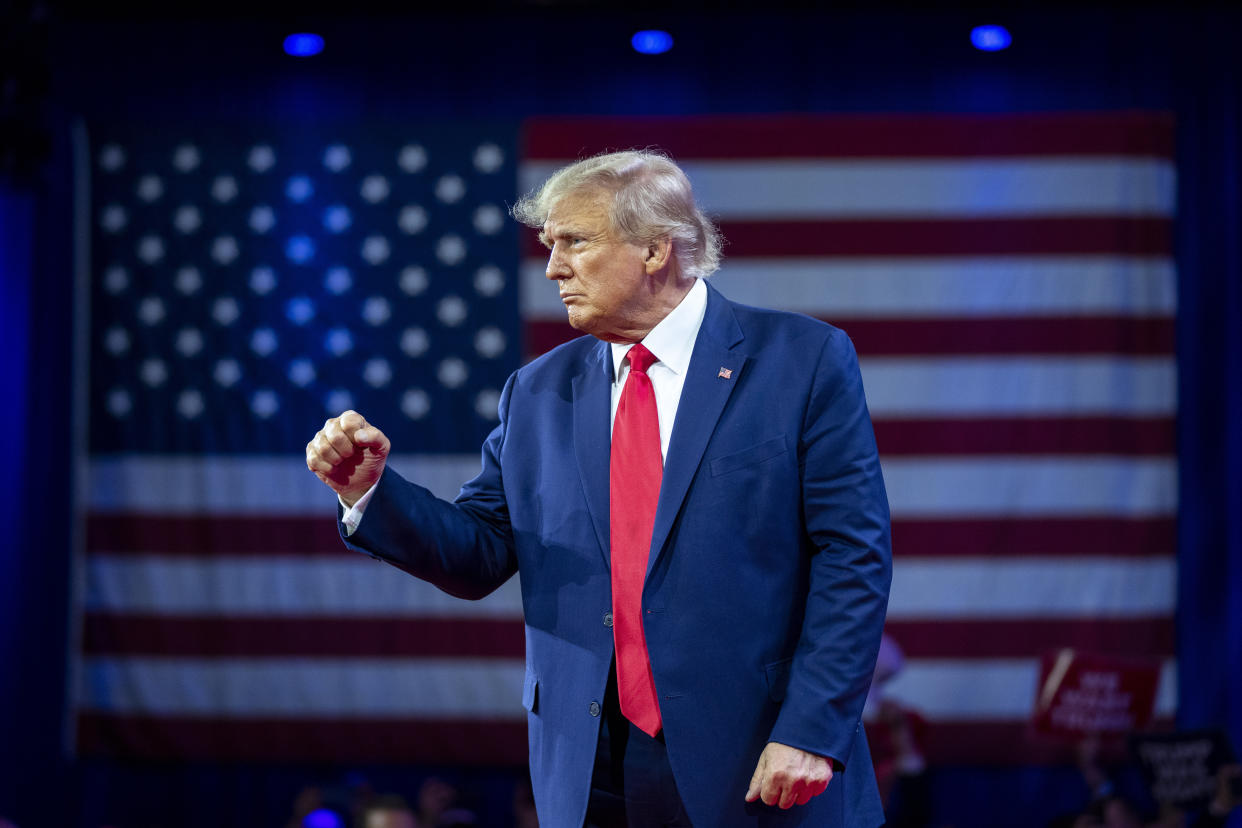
x: 777, y: 674
x: 530, y: 692
x: 749, y: 456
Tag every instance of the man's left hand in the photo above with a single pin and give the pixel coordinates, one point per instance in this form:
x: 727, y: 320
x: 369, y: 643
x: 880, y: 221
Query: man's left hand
x: 787, y: 776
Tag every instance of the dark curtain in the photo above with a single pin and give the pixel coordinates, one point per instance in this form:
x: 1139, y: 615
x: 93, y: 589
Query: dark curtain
x: 1209, y: 356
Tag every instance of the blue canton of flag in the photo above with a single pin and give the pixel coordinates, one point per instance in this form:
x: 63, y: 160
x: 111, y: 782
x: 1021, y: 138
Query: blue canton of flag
x: 247, y: 285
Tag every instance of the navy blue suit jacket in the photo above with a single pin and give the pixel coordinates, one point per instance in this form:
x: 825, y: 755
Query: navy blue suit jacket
x: 768, y: 576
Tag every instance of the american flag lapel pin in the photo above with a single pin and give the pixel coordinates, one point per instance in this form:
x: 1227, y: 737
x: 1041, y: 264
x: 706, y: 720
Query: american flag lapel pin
x: 725, y: 373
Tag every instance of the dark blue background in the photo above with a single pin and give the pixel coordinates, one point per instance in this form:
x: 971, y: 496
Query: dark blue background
x: 512, y: 63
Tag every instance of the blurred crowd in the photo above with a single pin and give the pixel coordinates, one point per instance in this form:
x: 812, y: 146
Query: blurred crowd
x: 906, y: 779
x: 1109, y: 808
x: 907, y: 784
x: 438, y: 804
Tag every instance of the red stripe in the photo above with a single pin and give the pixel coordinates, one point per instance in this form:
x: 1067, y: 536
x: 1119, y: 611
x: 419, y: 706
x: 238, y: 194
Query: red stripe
x: 866, y: 136
x: 1032, y: 637
x: 1001, y: 742
x: 340, y: 637
x: 1040, y: 537
x: 438, y: 742
x: 1116, y: 235
x: 231, y: 534
x: 1027, y: 435
x: 1019, y: 335
x: 311, y: 636
x: 542, y: 335
x: 468, y: 742
x: 1043, y: 536
x: 950, y: 237
x: 1075, y: 335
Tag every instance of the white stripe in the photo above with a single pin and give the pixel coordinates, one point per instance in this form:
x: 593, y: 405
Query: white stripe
x: 941, y: 689
x: 429, y: 688
x: 867, y: 188
x: 935, y: 486
x: 923, y: 588
x: 1061, y: 486
x: 277, y: 586
x: 968, y: 286
x: 982, y: 588
x: 970, y: 386
x: 948, y: 690
x: 276, y: 484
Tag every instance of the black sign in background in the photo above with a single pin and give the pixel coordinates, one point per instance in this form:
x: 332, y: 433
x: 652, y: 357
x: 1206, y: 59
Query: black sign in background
x: 1180, y: 768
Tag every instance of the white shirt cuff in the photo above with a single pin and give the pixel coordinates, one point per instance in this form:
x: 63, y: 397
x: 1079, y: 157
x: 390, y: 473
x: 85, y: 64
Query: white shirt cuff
x: 353, y: 514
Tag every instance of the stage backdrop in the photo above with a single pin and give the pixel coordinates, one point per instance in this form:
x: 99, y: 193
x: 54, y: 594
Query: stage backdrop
x: 1008, y: 282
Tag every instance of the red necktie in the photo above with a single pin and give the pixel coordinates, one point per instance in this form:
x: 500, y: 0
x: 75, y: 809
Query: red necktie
x: 635, y: 471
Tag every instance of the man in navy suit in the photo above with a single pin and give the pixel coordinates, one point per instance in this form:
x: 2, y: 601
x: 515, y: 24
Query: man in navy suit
x: 701, y: 623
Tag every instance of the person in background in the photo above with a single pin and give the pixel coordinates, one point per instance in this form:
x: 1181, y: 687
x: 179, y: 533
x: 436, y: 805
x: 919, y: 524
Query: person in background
x: 389, y: 811
x: 307, y: 801
x: 1225, y: 800
x: 524, y: 814
x: 896, y: 734
x: 1110, y: 809
x: 436, y: 797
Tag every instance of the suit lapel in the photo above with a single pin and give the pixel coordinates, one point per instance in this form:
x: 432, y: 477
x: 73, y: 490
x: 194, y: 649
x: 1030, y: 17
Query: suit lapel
x: 703, y: 398
x: 593, y: 436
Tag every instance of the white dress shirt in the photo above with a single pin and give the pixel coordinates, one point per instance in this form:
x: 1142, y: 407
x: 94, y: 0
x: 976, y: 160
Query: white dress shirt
x: 672, y: 343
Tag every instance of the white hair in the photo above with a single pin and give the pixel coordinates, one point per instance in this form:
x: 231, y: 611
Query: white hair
x: 651, y: 200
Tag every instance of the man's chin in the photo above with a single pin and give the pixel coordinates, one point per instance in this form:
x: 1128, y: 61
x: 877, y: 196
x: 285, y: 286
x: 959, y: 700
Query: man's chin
x: 579, y: 321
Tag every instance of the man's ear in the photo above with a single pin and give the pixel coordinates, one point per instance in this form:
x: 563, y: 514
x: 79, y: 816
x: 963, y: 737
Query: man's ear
x: 659, y: 255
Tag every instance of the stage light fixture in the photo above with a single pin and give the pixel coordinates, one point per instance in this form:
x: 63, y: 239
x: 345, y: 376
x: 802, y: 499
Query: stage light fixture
x: 303, y: 44
x: 323, y: 818
x: 990, y: 38
x: 651, y: 42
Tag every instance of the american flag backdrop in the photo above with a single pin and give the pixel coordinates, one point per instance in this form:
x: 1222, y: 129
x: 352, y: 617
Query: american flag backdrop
x: 1008, y: 282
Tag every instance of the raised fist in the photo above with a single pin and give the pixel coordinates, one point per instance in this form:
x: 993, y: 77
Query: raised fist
x: 349, y: 455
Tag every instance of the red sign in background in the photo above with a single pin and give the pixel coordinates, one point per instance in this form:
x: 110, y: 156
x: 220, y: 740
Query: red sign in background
x: 1082, y: 694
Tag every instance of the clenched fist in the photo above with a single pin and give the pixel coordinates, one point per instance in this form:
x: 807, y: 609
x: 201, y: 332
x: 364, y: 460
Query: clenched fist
x: 349, y: 455
x: 787, y: 776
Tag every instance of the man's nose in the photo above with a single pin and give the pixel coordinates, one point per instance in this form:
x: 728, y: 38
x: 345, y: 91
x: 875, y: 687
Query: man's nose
x: 557, y: 267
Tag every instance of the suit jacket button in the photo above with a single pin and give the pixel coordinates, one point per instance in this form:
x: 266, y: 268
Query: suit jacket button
x: 594, y: 708
x: 608, y: 619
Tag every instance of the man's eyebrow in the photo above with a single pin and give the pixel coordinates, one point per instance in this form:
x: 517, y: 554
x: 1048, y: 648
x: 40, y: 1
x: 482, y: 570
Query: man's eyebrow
x: 565, y: 231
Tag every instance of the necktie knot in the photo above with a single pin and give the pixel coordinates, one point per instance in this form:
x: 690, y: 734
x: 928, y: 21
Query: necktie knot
x: 641, y: 359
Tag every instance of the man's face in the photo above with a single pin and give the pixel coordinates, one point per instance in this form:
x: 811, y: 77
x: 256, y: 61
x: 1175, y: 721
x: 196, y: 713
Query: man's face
x: 603, y: 280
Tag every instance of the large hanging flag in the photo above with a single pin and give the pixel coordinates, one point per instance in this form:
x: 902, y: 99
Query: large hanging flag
x: 1007, y: 279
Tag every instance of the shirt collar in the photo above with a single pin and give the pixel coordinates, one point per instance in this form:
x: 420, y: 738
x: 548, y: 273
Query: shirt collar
x: 672, y: 340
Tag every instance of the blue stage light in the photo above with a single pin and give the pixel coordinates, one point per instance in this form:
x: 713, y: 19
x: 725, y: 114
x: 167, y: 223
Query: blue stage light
x: 303, y: 44
x: 990, y: 38
x: 651, y: 42
x: 323, y: 818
